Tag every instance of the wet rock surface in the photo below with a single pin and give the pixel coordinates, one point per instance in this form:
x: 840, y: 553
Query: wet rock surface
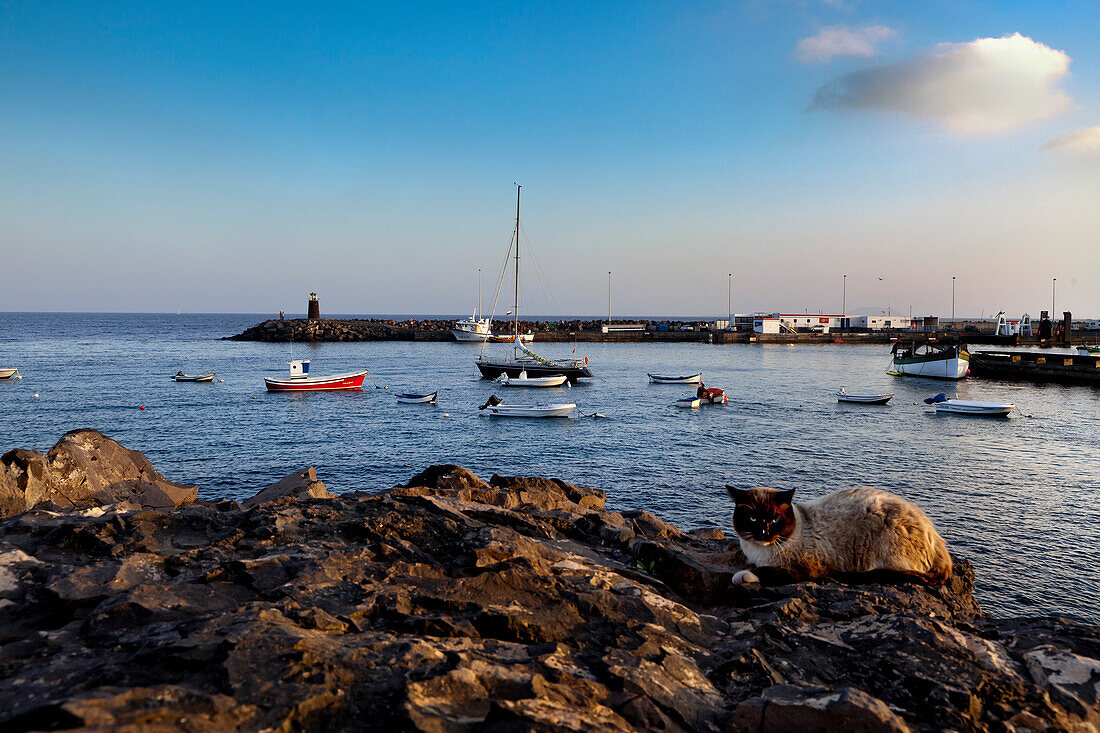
x: 455, y: 603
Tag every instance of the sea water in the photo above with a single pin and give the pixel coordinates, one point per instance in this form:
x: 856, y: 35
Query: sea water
x: 1020, y: 497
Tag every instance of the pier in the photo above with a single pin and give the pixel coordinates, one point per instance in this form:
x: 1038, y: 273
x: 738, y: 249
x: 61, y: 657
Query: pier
x: 1034, y: 366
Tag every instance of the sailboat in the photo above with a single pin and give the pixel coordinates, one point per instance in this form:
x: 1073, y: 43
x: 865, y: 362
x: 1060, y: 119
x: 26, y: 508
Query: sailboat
x: 476, y: 328
x: 523, y: 359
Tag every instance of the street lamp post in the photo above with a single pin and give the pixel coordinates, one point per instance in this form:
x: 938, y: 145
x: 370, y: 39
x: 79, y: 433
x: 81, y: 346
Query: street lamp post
x: 844, y: 301
x: 952, y: 302
x: 1053, y: 287
x: 729, y: 302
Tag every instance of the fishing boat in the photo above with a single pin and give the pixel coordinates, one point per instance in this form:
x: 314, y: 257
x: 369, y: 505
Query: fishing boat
x: 955, y: 406
x: 662, y: 379
x: 300, y: 381
x: 1088, y: 350
x: 181, y: 377
x: 523, y: 359
x: 419, y: 399
x: 8, y: 372
x: 936, y: 361
x: 523, y: 380
x: 472, y: 329
x: 863, y: 399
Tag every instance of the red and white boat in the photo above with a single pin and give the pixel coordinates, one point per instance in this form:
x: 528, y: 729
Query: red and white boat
x: 300, y: 381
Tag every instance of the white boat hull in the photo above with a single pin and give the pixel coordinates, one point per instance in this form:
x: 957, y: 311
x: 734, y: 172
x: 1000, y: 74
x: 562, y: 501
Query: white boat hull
x: 954, y: 368
x: 692, y: 379
x: 461, y: 335
x: 7, y: 373
x: 553, y: 381
x: 559, y: 410
x: 864, y: 399
x: 967, y: 407
x: 688, y: 402
x: 209, y: 377
x: 414, y: 399
x: 1088, y: 350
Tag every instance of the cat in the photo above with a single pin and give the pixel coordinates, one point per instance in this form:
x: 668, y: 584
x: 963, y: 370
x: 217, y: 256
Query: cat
x: 857, y: 530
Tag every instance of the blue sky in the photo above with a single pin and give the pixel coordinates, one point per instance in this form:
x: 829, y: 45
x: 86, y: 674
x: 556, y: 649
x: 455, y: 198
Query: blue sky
x: 213, y: 158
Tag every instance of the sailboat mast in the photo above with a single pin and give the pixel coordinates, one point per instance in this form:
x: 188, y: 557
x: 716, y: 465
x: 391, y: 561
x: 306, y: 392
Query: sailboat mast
x: 515, y: 333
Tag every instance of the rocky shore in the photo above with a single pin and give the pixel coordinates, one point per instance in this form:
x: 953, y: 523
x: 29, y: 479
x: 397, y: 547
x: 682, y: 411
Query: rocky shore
x: 454, y: 604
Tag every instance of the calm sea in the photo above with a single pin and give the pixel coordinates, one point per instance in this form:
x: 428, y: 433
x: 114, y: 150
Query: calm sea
x: 1020, y: 497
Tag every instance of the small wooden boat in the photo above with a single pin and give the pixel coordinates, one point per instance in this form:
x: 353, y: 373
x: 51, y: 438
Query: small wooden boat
x: 419, y: 399
x: 300, y: 381
x: 8, y: 373
x: 662, y: 379
x: 181, y: 377
x: 863, y: 399
x: 969, y: 407
x: 688, y: 402
x: 554, y: 380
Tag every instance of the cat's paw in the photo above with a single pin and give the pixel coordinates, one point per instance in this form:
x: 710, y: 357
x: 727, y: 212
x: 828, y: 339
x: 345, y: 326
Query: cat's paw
x: 745, y: 577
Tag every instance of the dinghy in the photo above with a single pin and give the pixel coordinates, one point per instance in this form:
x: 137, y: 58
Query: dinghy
x: 181, y: 377
x: 554, y: 380
x: 419, y: 399
x: 661, y: 379
x: 968, y: 407
x: 863, y: 399
x: 710, y: 396
x: 493, y: 406
x: 8, y: 373
x: 688, y: 402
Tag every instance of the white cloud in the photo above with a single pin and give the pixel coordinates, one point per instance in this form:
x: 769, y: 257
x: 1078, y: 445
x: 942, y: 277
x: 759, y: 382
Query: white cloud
x: 986, y: 85
x: 840, y: 40
x: 1085, y: 142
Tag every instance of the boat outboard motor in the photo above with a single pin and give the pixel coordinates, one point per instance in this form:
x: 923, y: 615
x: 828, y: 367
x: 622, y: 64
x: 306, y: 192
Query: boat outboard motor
x: 493, y: 401
x: 941, y: 397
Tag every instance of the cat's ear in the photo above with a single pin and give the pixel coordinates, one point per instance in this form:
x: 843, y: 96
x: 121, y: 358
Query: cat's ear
x: 739, y: 496
x: 784, y: 497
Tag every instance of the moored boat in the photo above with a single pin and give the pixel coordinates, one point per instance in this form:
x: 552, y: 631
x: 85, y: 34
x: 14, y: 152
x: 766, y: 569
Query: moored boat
x: 493, y: 406
x: 523, y: 379
x: 472, y: 329
x: 300, y: 381
x: 8, y: 372
x: 935, y: 361
x: 705, y: 396
x: 662, y: 379
x: 425, y: 399
x: 181, y: 377
x: 1088, y: 350
x: 863, y: 399
x: 970, y: 407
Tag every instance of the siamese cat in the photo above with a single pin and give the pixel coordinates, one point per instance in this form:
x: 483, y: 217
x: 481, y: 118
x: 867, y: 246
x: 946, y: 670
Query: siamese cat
x: 858, y: 530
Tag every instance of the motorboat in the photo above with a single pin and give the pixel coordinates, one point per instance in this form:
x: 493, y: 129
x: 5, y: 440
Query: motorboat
x: 863, y: 399
x: 955, y: 406
x: 522, y: 358
x: 300, y: 381
x: 708, y: 396
x: 419, y: 399
x: 472, y: 329
x: 523, y: 380
x: 9, y: 373
x: 689, y: 379
x: 181, y: 377
x: 496, y: 408
x: 933, y: 360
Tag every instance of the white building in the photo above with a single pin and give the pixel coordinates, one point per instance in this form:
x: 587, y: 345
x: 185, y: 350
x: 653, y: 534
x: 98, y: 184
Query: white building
x: 879, y: 323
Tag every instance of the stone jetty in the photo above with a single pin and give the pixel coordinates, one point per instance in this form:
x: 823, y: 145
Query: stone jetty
x: 458, y: 604
x: 374, y: 329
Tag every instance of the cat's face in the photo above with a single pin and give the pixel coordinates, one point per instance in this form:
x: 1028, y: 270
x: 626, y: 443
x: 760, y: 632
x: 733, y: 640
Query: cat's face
x: 762, y: 515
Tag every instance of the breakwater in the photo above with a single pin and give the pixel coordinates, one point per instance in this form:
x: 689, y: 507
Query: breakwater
x: 455, y: 603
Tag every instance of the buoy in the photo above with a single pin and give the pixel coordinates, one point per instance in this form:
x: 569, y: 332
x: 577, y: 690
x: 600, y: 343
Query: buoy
x: 446, y: 414
x: 141, y: 407
x: 253, y: 397
x: 222, y: 381
x: 36, y: 395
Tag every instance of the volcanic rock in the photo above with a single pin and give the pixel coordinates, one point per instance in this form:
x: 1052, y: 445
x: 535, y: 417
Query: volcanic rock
x: 85, y: 468
x: 300, y: 484
x: 455, y: 604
